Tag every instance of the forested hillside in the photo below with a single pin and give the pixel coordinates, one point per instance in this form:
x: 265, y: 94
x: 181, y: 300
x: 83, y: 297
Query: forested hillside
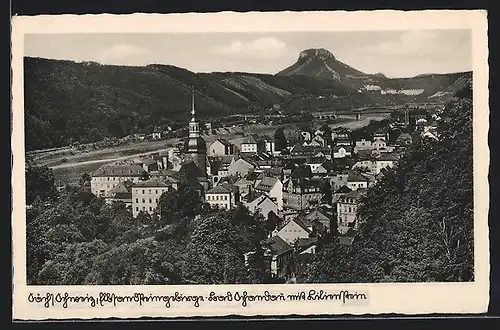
x: 417, y: 222
x: 85, y: 102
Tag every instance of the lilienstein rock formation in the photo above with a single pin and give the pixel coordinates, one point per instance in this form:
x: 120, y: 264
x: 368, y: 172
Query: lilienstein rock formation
x: 68, y: 101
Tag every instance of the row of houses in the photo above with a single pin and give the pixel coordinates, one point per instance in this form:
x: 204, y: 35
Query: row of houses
x: 310, y: 190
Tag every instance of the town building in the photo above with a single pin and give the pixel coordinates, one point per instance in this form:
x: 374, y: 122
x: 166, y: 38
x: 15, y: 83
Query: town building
x: 404, y: 139
x: 241, y: 167
x: 376, y: 163
x: 279, y: 255
x: 341, y: 151
x: 347, y: 207
x: 244, y: 186
x: 306, y: 135
x: 146, y: 195
x: 341, y: 133
x: 305, y: 246
x: 273, y: 187
x: 122, y: 192
x: 303, y: 193
x: 356, y: 180
x: 342, y: 141
x: 108, y: 176
x: 249, y: 145
x: 363, y: 145
x: 293, y: 230
x: 261, y: 203
x: 224, y: 195
x: 318, y: 215
x: 220, y: 147
x: 379, y: 135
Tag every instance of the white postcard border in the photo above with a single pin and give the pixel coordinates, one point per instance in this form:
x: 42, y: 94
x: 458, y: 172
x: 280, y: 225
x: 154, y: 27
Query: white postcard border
x: 418, y: 298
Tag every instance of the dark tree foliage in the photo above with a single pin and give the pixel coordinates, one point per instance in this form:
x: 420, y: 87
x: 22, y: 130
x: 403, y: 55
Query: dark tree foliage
x: 280, y: 142
x: 40, y: 184
x: 327, y: 133
x: 326, y: 191
x: 417, y: 222
x: 80, y: 240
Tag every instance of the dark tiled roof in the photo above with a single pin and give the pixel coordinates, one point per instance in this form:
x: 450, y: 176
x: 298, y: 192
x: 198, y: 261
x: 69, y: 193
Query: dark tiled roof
x: 308, y: 183
x: 122, y: 187
x: 303, y: 223
x: 148, y: 161
x: 301, y: 172
x: 119, y: 170
x: 224, y: 188
x: 153, y: 182
x: 356, y: 195
x: 252, y: 196
x: 317, y: 211
x: 224, y: 142
x: 277, y: 245
x: 252, y: 176
x: 229, y: 179
x: 266, y: 184
x: 354, y: 176
x: 304, y: 243
x: 343, y: 190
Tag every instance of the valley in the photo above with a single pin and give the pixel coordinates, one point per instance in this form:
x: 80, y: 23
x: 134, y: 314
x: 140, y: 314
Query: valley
x: 69, y: 164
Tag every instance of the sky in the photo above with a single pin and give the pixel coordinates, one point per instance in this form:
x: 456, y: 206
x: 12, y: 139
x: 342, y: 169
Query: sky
x: 393, y: 53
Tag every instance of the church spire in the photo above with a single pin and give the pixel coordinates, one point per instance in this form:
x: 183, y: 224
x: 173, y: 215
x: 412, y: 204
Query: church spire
x: 194, y: 128
x: 193, y: 112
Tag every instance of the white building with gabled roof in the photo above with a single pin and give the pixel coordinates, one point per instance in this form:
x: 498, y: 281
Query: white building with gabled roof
x: 146, y: 195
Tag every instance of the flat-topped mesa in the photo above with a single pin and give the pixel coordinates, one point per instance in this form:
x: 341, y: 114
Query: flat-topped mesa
x: 320, y: 53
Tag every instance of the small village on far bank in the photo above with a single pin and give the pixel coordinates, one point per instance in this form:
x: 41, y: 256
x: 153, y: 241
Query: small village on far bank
x: 307, y: 185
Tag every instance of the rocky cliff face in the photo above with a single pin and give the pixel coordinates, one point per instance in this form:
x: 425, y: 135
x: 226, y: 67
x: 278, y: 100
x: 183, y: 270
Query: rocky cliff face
x: 319, y: 62
x: 319, y: 53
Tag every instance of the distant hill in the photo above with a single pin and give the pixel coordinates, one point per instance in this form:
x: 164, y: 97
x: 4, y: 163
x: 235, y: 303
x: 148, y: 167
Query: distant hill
x: 422, y: 88
x: 67, y: 101
x: 320, y: 63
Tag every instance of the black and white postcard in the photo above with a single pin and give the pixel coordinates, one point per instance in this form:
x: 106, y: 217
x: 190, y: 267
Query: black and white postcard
x: 284, y: 163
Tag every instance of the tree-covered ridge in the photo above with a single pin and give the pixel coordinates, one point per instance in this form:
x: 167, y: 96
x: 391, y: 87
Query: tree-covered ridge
x: 67, y: 102
x: 417, y: 222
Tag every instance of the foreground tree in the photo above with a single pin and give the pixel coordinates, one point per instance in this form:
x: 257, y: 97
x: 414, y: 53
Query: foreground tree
x: 280, y: 142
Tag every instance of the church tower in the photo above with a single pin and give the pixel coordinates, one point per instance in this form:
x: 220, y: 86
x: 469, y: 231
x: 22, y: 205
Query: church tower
x: 195, y: 148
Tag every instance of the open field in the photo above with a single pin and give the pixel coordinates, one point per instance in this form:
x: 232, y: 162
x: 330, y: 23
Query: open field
x: 78, y: 162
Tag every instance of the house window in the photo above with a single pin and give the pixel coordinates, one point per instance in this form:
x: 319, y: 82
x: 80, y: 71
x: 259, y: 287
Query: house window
x: 143, y: 191
x: 137, y: 200
x: 156, y: 191
x: 225, y: 197
x: 150, y: 200
x: 137, y: 209
x: 144, y: 201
